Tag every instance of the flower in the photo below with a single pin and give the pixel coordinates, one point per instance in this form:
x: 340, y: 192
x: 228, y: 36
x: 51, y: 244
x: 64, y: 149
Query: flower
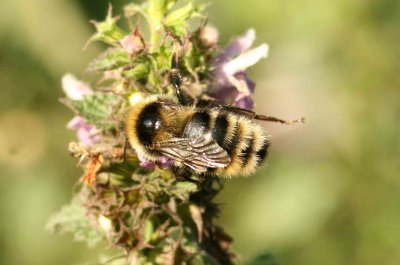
x: 133, y: 43
x: 75, y: 89
x: 164, y: 162
x: 234, y: 96
x: 230, y: 79
x: 147, y: 164
x: 87, y: 134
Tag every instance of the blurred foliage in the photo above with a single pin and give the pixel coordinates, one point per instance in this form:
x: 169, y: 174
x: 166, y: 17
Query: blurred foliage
x: 329, y: 194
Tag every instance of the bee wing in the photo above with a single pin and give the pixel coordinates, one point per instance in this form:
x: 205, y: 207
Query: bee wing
x: 197, y: 153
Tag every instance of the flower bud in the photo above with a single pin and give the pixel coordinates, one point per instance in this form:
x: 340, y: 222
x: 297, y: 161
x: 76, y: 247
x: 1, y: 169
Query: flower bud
x: 104, y: 223
x: 135, y: 98
x: 209, y: 36
x: 133, y: 43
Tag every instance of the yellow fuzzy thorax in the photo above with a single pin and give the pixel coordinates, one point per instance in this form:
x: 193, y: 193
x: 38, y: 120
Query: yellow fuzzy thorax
x: 173, y: 118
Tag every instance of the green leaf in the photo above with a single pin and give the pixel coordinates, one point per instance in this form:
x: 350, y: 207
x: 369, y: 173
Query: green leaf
x: 107, y: 30
x: 72, y: 219
x: 132, y: 9
x: 180, y: 15
x: 170, y: 4
x: 110, y: 59
x: 122, y: 172
x: 139, y: 72
x: 176, y: 21
x: 163, y: 59
x: 183, y: 189
x: 97, y: 109
x: 148, y: 231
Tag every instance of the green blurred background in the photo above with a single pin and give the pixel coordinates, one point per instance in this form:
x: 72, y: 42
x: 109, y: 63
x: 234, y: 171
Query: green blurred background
x: 331, y: 191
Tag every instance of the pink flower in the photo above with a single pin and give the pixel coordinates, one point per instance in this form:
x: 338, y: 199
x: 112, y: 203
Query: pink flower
x: 230, y: 94
x: 75, y: 89
x: 231, y: 81
x: 164, y: 162
x: 133, y: 43
x: 147, y: 164
x: 87, y: 134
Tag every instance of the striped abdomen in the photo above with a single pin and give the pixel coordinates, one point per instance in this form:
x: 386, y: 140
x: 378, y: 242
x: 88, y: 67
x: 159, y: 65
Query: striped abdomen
x: 245, y: 142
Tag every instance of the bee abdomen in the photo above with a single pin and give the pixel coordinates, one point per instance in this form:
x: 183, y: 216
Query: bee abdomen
x: 198, y: 124
x: 262, y: 152
x: 245, y: 142
x: 256, y: 151
x: 220, y: 130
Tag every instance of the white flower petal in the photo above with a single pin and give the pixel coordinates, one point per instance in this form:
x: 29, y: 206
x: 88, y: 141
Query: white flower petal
x: 246, y: 59
x: 240, y: 85
x: 241, y: 44
x: 73, y: 88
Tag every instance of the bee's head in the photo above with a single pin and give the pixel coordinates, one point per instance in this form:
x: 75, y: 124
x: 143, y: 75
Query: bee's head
x: 149, y: 123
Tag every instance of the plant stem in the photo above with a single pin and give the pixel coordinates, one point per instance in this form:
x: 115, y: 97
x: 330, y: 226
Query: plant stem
x: 156, y: 11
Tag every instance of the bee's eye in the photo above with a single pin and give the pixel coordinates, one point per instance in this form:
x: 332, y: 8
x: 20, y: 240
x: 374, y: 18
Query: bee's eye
x: 151, y: 122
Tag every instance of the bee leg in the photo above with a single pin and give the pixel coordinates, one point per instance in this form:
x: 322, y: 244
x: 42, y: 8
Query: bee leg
x: 176, y: 80
x: 126, y: 144
x: 273, y: 119
x: 207, y: 103
x: 182, y: 173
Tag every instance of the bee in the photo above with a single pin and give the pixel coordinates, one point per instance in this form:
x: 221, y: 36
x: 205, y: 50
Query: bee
x: 209, y: 138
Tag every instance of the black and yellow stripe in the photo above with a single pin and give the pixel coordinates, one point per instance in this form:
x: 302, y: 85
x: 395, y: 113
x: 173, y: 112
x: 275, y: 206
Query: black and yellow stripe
x: 245, y: 142
x: 159, y: 118
x: 142, y: 135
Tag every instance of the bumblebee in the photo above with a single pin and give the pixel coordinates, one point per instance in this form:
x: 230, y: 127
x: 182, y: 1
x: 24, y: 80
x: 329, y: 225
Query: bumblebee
x: 209, y: 138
